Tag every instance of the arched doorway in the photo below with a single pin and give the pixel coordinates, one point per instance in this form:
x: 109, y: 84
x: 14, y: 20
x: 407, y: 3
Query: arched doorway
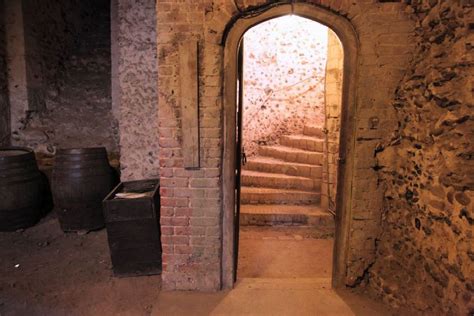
x: 232, y: 38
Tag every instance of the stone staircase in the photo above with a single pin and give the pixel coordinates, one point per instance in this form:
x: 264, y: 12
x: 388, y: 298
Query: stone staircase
x: 282, y: 184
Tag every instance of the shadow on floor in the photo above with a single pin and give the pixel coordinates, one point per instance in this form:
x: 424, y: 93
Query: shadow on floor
x: 282, y: 271
x: 270, y: 297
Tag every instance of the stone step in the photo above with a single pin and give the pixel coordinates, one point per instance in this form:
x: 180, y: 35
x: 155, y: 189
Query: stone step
x: 292, y: 154
x: 304, y: 142
x: 313, y: 130
x: 273, y: 165
x: 251, y: 195
x: 274, y: 214
x: 280, y: 181
x: 287, y: 284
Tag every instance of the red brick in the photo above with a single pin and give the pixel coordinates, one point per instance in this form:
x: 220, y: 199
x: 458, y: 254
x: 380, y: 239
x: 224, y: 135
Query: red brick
x: 181, y: 202
x: 173, y: 182
x: 166, y: 221
x: 167, y: 230
x: 167, y: 211
x: 169, y: 143
x: 166, y: 172
x: 166, y: 192
x: 205, y: 202
x: 182, y: 230
x: 166, y: 201
x: 204, y: 221
x: 198, y: 240
x: 183, y: 211
x: 183, y: 249
x: 180, y: 240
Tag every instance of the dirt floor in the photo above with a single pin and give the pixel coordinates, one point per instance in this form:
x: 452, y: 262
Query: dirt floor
x: 46, y: 272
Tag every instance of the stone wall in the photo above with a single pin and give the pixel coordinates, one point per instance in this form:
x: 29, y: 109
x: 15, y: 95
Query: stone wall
x: 332, y: 110
x: 16, y: 63
x: 425, y: 257
x: 284, y: 69
x: 60, y: 82
x: 134, y: 81
x: 191, y: 212
x: 4, y: 105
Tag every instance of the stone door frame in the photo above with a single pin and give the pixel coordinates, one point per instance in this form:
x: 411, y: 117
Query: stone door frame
x: 348, y: 37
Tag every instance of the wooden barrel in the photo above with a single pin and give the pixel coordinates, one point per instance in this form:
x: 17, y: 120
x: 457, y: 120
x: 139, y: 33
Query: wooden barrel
x: 21, y: 189
x: 82, y: 178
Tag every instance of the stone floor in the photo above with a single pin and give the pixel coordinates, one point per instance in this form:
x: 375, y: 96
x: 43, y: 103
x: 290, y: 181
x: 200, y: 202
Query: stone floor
x: 259, y: 296
x: 283, y: 252
x: 282, y: 272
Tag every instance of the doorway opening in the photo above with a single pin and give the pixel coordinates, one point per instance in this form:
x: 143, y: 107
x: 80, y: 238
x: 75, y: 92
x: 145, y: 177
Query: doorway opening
x: 231, y: 40
x: 288, y: 113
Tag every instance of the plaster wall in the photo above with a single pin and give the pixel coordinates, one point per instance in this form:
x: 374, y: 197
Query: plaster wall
x: 135, y: 97
x: 191, y: 216
x: 284, y: 69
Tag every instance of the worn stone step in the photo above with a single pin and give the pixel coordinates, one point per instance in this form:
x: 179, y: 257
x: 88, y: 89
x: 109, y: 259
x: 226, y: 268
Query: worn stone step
x: 292, y: 154
x: 304, y: 142
x: 273, y: 165
x: 252, y: 195
x: 280, y: 181
x: 275, y: 214
x: 286, y: 284
x: 313, y: 130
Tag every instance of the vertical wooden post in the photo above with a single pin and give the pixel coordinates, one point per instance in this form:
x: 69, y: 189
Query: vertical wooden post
x: 189, y: 79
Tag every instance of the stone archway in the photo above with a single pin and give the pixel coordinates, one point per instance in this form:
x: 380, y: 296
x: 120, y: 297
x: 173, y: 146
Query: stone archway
x: 348, y: 37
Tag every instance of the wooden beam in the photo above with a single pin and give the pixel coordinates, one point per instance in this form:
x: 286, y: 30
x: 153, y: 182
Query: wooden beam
x: 189, y: 78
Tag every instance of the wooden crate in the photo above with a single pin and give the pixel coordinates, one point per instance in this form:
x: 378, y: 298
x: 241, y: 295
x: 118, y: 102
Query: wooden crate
x: 133, y: 229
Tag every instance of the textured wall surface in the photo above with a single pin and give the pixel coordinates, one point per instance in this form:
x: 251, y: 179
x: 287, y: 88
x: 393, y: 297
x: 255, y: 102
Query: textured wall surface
x: 425, y: 257
x: 66, y: 47
x: 284, y: 68
x: 332, y: 110
x: 191, y: 202
x: 137, y: 99
x: 16, y: 63
x: 4, y: 104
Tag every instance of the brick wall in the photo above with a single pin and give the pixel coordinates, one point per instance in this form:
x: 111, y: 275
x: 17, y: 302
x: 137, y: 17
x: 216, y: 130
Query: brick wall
x: 191, y: 199
x: 333, y: 100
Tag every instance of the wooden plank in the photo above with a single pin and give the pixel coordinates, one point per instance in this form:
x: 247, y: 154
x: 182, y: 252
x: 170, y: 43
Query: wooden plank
x: 188, y: 74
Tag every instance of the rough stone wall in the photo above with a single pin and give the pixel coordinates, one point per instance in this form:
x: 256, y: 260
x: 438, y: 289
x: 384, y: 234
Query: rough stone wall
x: 425, y: 257
x: 332, y: 110
x: 4, y: 104
x: 283, y: 79
x: 191, y: 215
x: 16, y: 62
x: 66, y: 47
x: 135, y: 88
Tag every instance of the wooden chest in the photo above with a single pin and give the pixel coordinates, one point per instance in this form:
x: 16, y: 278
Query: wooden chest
x: 133, y: 228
